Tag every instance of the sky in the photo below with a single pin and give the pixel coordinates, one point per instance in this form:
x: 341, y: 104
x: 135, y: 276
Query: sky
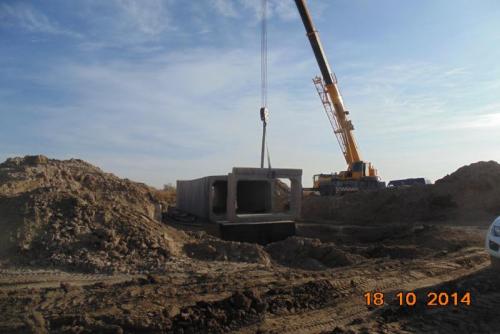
x: 161, y: 90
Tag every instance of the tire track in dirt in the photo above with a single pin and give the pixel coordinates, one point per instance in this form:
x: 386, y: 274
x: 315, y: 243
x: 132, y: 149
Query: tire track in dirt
x: 350, y: 309
x: 207, y: 283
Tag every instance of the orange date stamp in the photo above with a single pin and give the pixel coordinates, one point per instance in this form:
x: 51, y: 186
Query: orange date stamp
x: 409, y: 298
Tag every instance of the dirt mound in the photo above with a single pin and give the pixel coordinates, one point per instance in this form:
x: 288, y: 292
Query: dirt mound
x: 420, y: 241
x: 482, y: 175
x: 395, y: 241
x: 386, y: 205
x: 441, y: 238
x: 474, y: 188
x: 243, y: 308
x: 221, y: 316
x: 470, y: 194
x: 211, y: 249
x: 71, y: 214
x: 310, y: 254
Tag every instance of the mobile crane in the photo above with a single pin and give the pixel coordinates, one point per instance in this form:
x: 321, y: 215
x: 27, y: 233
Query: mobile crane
x: 360, y: 175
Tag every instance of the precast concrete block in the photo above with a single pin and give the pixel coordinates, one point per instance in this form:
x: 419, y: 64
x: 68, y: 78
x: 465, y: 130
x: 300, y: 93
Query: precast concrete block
x: 244, y: 195
x: 204, y: 197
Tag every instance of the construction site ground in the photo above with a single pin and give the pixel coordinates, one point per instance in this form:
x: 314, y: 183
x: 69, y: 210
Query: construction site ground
x: 251, y: 297
x: 190, y: 281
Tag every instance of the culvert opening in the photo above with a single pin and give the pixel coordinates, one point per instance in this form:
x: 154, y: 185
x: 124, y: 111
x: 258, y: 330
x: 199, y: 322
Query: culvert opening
x: 219, y: 195
x: 253, y: 197
x: 282, y: 195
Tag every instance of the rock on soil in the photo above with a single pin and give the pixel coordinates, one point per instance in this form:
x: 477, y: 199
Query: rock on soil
x: 470, y: 194
x: 212, y: 249
x: 247, y: 307
x: 72, y: 215
x: 239, y: 309
x: 296, y: 252
x: 310, y: 254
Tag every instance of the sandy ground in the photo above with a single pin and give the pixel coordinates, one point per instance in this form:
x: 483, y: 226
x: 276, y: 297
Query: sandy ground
x: 205, y: 295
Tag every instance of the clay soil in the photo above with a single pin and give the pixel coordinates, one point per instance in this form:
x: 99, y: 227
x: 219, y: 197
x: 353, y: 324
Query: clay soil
x: 82, y: 252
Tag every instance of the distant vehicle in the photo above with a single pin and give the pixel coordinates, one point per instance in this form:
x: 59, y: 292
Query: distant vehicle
x: 493, y: 243
x: 409, y: 182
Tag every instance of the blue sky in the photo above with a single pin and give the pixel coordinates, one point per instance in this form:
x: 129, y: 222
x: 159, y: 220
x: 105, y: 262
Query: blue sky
x: 163, y: 90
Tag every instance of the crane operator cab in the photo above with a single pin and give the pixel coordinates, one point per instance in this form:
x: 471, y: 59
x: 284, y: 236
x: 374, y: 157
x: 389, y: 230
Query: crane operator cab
x: 358, y: 170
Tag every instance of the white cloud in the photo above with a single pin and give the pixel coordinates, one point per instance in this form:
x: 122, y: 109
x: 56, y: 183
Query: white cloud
x: 150, y: 17
x: 31, y: 20
x: 194, y: 112
x: 137, y: 25
x: 285, y: 10
x: 415, y: 97
x: 252, y: 5
x: 224, y: 7
x: 483, y: 121
x: 134, y: 23
x: 281, y: 9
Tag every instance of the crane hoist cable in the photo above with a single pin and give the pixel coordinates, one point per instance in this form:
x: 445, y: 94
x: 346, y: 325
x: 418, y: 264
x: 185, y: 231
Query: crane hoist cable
x: 263, y: 54
x: 264, y: 112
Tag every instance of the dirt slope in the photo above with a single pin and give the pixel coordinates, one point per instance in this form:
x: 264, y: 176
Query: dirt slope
x: 471, y: 194
x: 71, y: 214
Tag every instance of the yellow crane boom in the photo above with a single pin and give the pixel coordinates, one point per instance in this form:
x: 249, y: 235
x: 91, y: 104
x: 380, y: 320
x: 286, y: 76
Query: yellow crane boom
x: 359, y: 174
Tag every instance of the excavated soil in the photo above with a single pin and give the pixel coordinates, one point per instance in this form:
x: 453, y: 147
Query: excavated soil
x: 471, y: 195
x: 82, y: 252
x: 71, y: 215
x: 310, y: 254
x: 205, y: 247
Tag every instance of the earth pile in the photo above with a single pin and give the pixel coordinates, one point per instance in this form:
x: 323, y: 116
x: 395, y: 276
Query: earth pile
x: 70, y: 214
x: 310, y: 254
x: 471, y: 194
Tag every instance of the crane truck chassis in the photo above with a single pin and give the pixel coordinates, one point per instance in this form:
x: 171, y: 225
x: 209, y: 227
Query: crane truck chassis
x: 333, y: 184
